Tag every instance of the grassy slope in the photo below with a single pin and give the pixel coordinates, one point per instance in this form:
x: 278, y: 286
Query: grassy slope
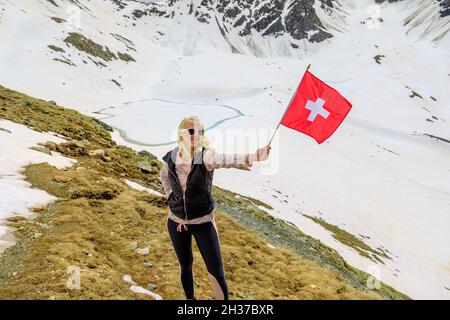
x: 351, y: 241
x: 97, y: 216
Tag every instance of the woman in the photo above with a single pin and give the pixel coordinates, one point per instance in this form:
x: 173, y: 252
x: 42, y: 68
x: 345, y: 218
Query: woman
x: 187, y: 179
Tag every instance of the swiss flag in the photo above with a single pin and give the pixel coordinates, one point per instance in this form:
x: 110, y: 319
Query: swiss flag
x: 316, y: 109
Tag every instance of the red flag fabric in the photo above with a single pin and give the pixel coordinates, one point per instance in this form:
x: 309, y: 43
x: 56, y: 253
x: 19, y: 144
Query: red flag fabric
x: 316, y: 109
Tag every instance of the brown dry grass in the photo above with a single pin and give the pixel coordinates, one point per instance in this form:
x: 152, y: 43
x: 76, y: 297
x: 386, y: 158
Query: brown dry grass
x: 83, y: 229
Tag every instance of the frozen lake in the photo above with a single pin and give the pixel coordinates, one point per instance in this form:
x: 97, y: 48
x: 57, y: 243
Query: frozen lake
x: 153, y: 122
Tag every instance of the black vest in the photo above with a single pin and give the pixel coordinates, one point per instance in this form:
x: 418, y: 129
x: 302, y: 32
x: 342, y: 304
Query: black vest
x: 197, y: 200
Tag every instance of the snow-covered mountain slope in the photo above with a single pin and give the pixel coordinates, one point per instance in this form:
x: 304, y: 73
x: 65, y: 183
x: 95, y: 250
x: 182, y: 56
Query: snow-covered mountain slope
x: 426, y: 18
x: 261, y: 28
x: 270, y: 28
x: 384, y: 176
x: 64, y: 73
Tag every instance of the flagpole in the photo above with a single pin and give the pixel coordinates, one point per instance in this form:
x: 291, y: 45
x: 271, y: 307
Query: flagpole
x: 279, y: 122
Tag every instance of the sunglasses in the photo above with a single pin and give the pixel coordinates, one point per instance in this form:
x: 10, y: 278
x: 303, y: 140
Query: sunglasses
x: 192, y: 131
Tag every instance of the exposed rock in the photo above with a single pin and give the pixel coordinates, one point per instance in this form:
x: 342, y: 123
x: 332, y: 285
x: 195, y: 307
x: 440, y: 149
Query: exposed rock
x: 151, y: 286
x: 146, y: 167
x: 37, y: 235
x: 104, y: 125
x: 97, y: 153
x: 41, y: 149
x: 378, y: 57
x: 133, y: 245
x: 145, y: 153
x: 143, y: 251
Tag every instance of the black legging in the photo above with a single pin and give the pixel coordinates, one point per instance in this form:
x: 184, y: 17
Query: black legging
x: 207, y: 240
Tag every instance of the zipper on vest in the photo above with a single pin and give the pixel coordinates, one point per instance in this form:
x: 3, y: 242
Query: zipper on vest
x: 187, y: 178
x: 184, y: 195
x: 181, y: 188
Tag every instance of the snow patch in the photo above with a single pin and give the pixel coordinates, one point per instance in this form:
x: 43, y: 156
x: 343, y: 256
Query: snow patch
x: 137, y: 289
x: 16, y: 195
x: 139, y: 187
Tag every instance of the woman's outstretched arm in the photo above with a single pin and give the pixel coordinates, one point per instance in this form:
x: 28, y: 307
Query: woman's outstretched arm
x: 215, y: 160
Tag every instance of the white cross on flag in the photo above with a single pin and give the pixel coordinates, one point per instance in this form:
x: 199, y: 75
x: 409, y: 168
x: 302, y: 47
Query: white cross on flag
x: 316, y: 109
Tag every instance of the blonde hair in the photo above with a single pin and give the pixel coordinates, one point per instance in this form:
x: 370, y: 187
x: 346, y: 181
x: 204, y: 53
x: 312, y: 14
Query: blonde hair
x: 186, y: 124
